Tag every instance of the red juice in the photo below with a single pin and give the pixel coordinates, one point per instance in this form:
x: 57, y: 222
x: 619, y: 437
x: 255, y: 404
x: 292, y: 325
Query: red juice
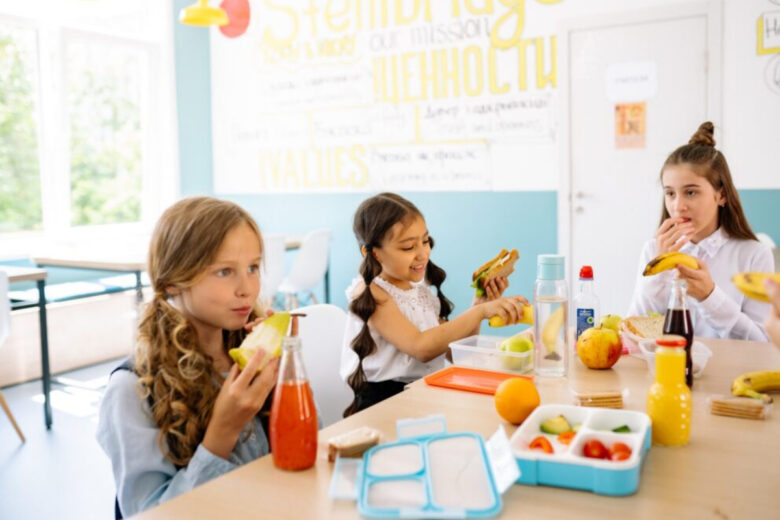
x: 293, y: 426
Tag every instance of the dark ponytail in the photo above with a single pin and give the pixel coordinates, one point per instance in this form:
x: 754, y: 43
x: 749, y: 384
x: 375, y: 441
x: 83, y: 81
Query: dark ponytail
x: 373, y: 220
x: 436, y: 276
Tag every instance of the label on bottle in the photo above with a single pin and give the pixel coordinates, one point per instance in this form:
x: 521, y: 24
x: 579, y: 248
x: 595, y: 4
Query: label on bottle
x: 585, y: 320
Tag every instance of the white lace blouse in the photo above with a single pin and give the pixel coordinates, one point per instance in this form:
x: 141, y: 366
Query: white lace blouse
x: 420, y: 306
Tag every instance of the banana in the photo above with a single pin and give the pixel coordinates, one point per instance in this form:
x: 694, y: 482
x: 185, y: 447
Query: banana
x: 753, y: 384
x: 267, y: 335
x: 551, y: 330
x: 752, y: 284
x: 527, y: 317
x: 669, y: 260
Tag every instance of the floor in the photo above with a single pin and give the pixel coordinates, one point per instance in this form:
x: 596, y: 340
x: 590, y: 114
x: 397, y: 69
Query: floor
x: 61, y: 473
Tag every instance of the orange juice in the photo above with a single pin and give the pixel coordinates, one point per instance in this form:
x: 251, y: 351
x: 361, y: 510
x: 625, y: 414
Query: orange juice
x: 293, y: 426
x: 669, y: 398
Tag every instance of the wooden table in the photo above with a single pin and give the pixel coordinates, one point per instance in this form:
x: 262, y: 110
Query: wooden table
x: 728, y: 470
x: 37, y: 275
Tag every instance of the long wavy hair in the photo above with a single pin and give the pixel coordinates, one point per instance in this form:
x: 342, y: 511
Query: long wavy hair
x: 373, y: 220
x: 707, y: 161
x: 175, y: 375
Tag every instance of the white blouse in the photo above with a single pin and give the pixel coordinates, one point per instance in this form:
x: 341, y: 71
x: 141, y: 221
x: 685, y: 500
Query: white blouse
x: 726, y: 312
x: 421, y: 307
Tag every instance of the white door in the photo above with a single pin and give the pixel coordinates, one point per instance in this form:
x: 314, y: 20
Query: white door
x: 611, y: 201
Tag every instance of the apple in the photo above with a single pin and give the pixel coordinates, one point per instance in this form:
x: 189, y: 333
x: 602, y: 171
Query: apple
x: 599, y: 347
x: 519, y: 343
x: 611, y: 321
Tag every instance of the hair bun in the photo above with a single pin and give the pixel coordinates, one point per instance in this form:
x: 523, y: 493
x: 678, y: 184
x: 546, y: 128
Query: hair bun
x: 704, y: 135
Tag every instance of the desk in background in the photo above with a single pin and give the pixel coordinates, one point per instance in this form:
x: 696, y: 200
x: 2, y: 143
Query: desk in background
x: 28, y: 274
x: 727, y: 471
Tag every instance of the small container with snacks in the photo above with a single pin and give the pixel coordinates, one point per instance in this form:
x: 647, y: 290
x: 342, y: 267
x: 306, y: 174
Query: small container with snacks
x: 507, y: 354
x: 592, y: 449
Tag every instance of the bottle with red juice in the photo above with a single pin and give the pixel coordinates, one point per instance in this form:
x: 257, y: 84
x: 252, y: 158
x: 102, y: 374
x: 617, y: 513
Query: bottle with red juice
x: 678, y: 321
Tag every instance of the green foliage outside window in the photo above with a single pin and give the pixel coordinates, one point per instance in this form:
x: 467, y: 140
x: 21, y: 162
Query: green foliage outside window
x: 20, y: 184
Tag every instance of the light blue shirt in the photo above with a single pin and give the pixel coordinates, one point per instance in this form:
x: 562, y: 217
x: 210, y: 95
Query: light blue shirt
x: 143, y: 476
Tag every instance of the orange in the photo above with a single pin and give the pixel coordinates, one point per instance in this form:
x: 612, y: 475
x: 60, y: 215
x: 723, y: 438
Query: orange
x: 516, y: 398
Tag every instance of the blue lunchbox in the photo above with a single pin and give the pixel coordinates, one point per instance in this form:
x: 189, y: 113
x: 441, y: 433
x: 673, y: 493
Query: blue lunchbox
x: 568, y: 466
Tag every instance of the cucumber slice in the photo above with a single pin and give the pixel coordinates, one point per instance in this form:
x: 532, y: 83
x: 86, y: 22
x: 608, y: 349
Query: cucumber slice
x: 555, y: 425
x: 622, y: 429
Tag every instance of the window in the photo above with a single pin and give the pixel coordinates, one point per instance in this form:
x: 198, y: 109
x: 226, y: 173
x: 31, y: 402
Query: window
x: 86, y: 118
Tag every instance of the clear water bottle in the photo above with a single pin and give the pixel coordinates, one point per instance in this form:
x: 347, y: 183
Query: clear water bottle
x: 551, y: 317
x: 586, y: 303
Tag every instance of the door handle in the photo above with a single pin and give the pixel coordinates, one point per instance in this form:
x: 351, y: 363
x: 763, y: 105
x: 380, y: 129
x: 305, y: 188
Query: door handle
x: 579, y: 209
x: 580, y: 195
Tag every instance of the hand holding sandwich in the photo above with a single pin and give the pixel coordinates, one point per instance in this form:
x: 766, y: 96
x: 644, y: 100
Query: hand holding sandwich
x: 493, y: 290
x: 491, y: 278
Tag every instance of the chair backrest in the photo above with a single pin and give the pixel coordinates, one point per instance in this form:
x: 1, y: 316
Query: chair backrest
x: 311, y: 261
x: 765, y: 239
x: 321, y: 333
x: 273, y: 265
x: 5, y: 308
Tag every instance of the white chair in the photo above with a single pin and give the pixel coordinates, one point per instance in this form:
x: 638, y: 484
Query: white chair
x: 765, y: 239
x: 273, y: 267
x: 321, y: 333
x: 5, y: 330
x: 309, y: 267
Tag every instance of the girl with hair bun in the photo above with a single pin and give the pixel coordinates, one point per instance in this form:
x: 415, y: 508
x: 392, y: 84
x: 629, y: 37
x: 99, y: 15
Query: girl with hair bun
x: 181, y: 413
x: 702, y: 216
x: 397, y: 329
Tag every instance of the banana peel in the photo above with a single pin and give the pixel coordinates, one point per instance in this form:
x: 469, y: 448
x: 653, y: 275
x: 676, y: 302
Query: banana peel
x: 268, y: 336
x: 527, y: 318
x: 752, y: 284
x: 754, y: 384
x: 666, y: 261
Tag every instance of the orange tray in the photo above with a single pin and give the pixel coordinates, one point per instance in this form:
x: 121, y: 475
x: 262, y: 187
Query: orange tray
x: 470, y: 379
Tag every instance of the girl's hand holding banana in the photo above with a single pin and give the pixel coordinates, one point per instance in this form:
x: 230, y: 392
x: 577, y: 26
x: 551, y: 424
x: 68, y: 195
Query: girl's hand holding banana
x: 700, y: 284
x: 510, y: 309
x: 672, y: 235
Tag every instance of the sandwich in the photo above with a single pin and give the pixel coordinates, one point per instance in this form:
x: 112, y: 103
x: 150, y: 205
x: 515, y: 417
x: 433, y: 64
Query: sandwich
x: 645, y: 326
x: 501, y: 265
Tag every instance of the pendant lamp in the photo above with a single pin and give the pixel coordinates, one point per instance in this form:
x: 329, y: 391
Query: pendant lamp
x: 203, y: 15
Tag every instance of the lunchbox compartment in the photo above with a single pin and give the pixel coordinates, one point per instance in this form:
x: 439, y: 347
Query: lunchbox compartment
x: 602, y: 420
x: 396, y: 460
x: 608, y: 439
x: 531, y: 428
x: 482, y: 351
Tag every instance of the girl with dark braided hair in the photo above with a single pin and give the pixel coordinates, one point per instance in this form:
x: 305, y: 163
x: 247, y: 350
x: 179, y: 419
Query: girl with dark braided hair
x: 398, y: 330
x: 702, y: 216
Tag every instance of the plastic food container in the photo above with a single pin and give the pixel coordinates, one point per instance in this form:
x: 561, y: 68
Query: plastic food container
x: 567, y: 466
x: 700, y: 355
x: 630, y: 341
x: 483, y: 352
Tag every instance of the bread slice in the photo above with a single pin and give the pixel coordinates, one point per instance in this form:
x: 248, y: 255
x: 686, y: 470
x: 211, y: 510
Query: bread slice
x: 352, y: 443
x: 645, y: 326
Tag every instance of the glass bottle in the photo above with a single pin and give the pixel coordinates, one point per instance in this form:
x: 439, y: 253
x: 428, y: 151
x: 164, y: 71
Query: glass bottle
x: 293, y: 421
x: 669, y: 398
x: 586, y: 303
x: 678, y: 321
x: 551, y: 317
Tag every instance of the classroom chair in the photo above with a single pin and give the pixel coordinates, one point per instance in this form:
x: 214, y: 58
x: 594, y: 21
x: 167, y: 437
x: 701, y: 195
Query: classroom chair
x: 308, y: 268
x: 272, y: 269
x: 5, y: 330
x: 322, y: 333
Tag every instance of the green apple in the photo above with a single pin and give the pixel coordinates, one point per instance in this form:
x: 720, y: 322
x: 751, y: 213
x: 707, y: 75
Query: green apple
x: 611, y: 321
x: 519, y: 343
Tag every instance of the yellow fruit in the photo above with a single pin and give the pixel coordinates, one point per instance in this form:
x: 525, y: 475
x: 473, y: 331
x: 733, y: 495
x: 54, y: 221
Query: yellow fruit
x: 515, y: 399
x: 517, y: 344
x: 669, y: 260
x: 267, y: 335
x: 551, y: 330
x: 753, y: 383
x: 752, y: 284
x: 527, y: 318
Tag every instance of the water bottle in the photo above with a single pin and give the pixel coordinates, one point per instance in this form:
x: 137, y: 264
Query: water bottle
x: 586, y: 303
x: 551, y: 317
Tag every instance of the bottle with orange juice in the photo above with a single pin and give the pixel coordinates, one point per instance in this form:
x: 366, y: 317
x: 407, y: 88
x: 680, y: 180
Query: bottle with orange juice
x: 669, y: 398
x: 293, y: 424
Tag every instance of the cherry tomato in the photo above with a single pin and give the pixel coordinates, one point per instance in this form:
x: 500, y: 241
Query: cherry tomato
x: 566, y: 437
x: 595, y: 450
x: 541, y: 443
x: 619, y: 451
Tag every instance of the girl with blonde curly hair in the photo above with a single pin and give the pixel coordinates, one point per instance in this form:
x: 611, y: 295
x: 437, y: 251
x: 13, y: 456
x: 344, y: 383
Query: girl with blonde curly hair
x: 183, y: 413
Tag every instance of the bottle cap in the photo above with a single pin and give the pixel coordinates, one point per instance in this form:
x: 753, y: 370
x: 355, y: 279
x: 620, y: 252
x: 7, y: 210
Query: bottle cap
x: 670, y: 340
x: 586, y: 273
x: 550, y: 267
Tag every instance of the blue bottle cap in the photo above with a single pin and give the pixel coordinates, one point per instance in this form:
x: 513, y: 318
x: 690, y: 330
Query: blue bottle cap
x: 550, y: 267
